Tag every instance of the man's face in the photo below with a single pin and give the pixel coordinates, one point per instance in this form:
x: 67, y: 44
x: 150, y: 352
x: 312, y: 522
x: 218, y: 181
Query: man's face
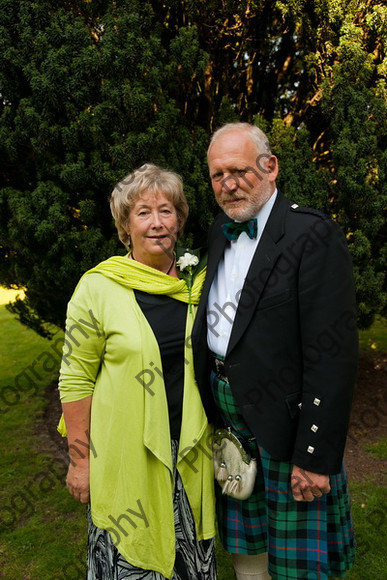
x: 242, y: 179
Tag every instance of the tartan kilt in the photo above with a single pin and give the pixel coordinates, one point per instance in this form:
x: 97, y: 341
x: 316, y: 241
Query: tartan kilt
x: 304, y: 540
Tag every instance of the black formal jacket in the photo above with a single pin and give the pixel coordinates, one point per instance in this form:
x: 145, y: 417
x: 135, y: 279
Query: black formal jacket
x: 292, y: 356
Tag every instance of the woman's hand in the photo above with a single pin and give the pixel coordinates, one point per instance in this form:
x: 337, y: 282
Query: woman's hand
x: 77, y: 480
x: 77, y: 420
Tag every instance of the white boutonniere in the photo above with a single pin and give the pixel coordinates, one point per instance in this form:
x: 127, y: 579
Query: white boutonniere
x: 187, y: 261
x: 186, y: 264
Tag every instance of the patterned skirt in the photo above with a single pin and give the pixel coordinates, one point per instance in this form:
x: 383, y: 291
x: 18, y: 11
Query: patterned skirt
x: 304, y: 540
x: 195, y: 559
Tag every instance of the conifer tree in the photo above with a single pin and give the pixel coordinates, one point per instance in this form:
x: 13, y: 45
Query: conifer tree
x: 91, y: 90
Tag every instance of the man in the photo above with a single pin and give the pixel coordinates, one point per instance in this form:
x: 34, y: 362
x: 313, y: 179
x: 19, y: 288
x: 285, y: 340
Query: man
x: 278, y: 316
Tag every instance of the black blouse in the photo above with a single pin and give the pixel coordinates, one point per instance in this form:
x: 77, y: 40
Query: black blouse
x: 167, y: 318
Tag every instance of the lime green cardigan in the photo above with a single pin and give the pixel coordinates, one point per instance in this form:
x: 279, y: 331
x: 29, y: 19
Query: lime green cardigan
x: 111, y: 353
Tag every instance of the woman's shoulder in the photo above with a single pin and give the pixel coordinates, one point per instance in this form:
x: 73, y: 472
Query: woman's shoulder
x: 100, y: 277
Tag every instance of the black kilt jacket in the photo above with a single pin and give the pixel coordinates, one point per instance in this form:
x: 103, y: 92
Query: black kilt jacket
x: 292, y: 357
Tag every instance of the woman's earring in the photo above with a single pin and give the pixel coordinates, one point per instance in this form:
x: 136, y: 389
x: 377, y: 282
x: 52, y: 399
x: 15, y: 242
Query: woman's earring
x: 129, y: 241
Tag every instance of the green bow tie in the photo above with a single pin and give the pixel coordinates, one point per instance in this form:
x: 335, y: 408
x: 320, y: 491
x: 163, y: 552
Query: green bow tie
x: 232, y: 230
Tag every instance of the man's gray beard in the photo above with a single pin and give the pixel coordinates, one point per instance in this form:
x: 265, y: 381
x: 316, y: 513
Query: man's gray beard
x: 251, y: 211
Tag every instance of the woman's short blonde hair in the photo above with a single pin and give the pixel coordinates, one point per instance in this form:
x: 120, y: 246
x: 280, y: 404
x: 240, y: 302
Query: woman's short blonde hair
x: 154, y: 180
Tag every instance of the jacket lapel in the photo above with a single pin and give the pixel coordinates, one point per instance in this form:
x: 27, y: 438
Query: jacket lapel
x: 264, y: 259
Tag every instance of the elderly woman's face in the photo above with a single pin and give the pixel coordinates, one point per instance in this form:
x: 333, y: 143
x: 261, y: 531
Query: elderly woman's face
x: 153, y: 227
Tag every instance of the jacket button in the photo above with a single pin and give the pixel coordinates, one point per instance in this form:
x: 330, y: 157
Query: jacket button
x: 316, y: 401
x: 314, y: 428
x: 310, y: 449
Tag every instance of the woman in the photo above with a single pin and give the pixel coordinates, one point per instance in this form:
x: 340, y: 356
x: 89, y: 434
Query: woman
x: 129, y: 397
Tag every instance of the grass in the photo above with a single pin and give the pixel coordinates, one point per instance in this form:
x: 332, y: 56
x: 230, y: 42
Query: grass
x: 378, y: 449
x: 375, y: 338
x: 370, y: 517
x: 43, y: 529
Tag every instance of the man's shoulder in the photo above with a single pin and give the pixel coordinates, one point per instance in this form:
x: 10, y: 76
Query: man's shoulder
x: 301, y: 222
x: 297, y: 209
x: 300, y: 216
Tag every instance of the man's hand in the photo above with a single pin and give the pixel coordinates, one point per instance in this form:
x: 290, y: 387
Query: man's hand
x: 77, y: 481
x: 307, y: 485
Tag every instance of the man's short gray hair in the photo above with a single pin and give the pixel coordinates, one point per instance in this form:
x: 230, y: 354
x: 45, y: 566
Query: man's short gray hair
x: 256, y: 134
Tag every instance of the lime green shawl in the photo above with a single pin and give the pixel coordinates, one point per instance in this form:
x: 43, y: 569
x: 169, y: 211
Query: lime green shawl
x: 138, y: 276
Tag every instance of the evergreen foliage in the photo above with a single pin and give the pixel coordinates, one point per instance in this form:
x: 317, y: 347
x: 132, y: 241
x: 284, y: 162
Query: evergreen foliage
x: 90, y: 90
